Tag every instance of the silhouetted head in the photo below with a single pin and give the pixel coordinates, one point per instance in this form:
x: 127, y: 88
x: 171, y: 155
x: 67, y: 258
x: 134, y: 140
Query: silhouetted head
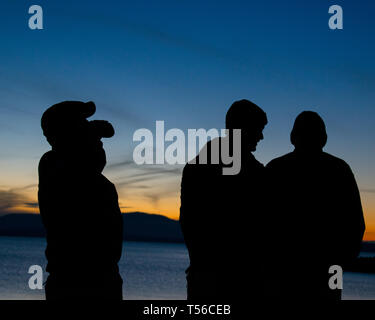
x: 248, y: 117
x: 67, y: 130
x: 309, y: 132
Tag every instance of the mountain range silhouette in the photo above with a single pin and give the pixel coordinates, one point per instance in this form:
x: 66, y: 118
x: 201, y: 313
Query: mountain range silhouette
x: 138, y: 226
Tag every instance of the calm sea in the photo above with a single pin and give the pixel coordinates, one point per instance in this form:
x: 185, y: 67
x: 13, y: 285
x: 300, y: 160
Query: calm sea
x: 150, y: 271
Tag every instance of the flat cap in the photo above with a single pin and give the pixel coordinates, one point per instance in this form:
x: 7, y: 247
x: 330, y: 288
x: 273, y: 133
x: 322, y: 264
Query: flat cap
x: 62, y: 116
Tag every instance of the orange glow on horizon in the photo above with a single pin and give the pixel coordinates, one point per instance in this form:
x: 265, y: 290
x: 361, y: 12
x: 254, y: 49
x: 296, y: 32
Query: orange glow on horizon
x: 369, y: 235
x: 170, y: 207
x: 22, y: 209
x: 167, y: 207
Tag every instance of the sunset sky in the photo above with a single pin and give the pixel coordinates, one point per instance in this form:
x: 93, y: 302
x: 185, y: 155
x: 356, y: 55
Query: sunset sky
x: 184, y: 62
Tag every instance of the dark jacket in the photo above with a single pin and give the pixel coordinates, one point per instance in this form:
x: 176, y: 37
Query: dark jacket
x: 221, y: 219
x: 318, y: 220
x: 82, y: 218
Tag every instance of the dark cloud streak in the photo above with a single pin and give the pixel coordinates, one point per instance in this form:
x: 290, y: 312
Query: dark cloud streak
x: 368, y: 190
x: 10, y: 199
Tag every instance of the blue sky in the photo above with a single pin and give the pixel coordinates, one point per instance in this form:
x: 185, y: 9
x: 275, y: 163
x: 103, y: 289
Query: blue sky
x: 185, y: 62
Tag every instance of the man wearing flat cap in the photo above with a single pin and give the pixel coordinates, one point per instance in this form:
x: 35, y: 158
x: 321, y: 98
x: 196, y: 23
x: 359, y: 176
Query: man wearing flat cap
x: 79, y: 206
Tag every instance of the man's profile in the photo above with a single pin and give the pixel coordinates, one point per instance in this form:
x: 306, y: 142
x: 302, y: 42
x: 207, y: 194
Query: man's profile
x: 221, y: 215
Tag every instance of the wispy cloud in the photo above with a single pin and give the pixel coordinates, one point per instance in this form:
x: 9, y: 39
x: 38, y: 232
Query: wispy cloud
x: 26, y: 187
x: 13, y: 198
x: 148, y: 182
x: 117, y: 165
x: 148, y: 175
x: 121, y: 112
x: 143, y: 170
x: 32, y: 204
x: 152, y: 32
x: 370, y: 190
x: 9, y: 199
x: 184, y: 42
x: 54, y: 91
x: 156, y: 196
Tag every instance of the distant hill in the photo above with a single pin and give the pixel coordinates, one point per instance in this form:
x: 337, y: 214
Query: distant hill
x: 362, y: 264
x: 368, y: 246
x: 138, y: 226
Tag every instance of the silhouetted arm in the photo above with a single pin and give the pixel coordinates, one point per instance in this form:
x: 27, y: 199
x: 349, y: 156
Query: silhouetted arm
x: 354, y: 224
x: 186, y: 209
x: 195, y: 211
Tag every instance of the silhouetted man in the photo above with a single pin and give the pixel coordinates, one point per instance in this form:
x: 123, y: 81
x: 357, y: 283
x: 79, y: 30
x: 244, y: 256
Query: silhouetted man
x: 316, y: 213
x: 79, y: 206
x: 221, y: 214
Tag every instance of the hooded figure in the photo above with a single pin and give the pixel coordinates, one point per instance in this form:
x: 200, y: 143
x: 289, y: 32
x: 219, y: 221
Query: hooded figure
x: 79, y: 206
x: 221, y: 215
x: 316, y: 213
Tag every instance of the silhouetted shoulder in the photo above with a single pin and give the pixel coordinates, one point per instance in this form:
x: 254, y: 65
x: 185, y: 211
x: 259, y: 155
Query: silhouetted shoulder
x: 201, y: 164
x: 280, y: 160
x: 48, y: 167
x: 108, y: 184
x: 328, y: 160
x: 211, y: 148
x: 47, y: 158
x: 258, y: 163
x: 335, y: 162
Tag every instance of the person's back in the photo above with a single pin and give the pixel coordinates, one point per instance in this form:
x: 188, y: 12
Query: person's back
x: 215, y: 214
x: 316, y: 210
x: 79, y: 209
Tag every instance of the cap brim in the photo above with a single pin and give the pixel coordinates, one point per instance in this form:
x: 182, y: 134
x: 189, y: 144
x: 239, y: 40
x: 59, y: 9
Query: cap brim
x: 88, y: 109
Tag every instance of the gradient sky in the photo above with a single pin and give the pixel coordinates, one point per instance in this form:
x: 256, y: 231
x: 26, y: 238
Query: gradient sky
x: 184, y: 62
